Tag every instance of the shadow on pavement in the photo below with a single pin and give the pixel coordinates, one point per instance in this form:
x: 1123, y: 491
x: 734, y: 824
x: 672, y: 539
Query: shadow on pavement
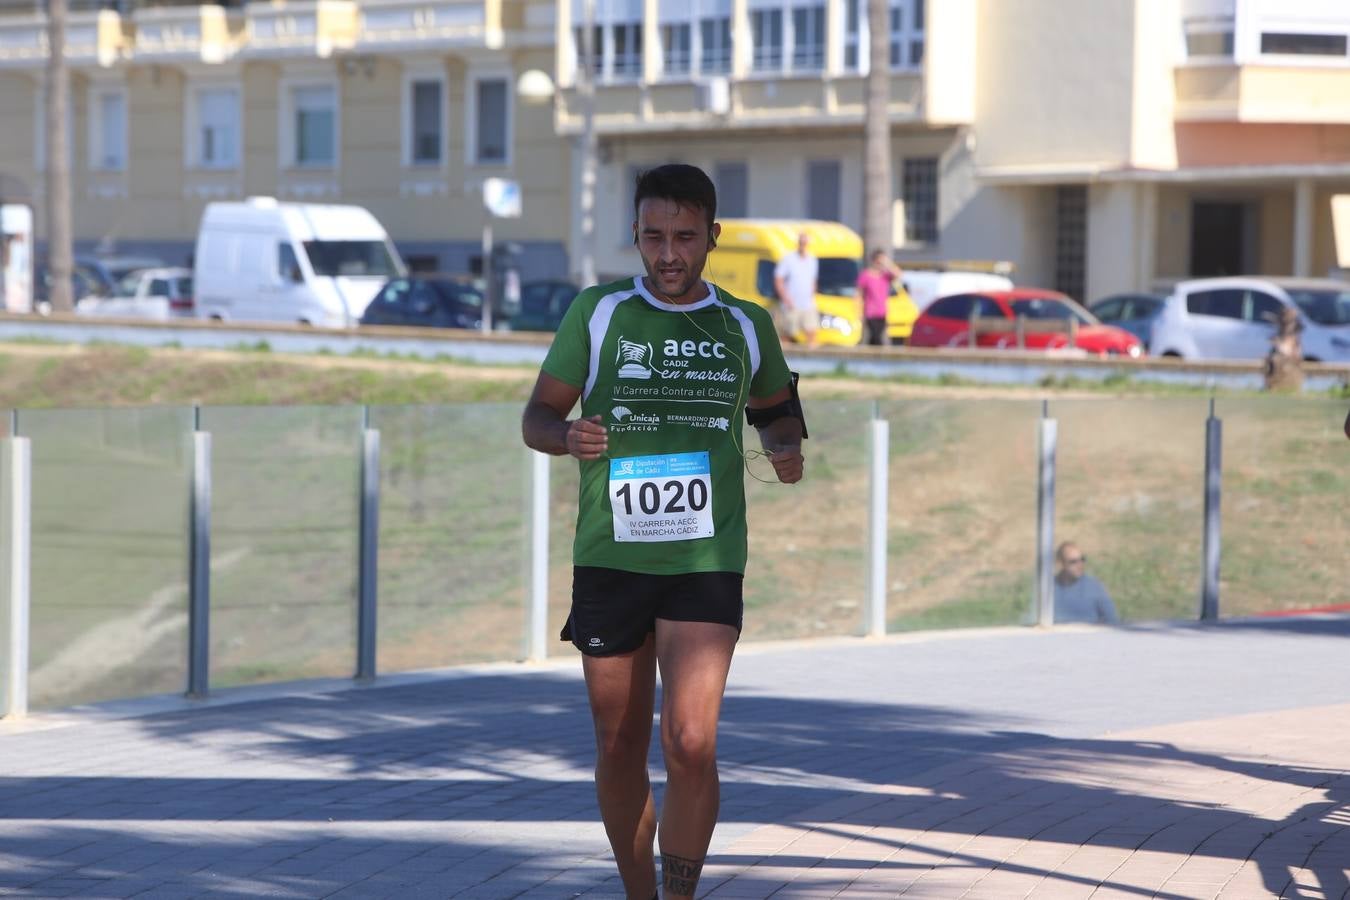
x: 517, y: 749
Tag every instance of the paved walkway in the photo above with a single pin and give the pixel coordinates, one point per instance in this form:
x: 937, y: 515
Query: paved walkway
x: 1166, y: 761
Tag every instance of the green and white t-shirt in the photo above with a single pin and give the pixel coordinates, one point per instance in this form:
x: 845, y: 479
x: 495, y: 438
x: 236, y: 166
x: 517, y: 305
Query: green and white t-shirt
x: 670, y: 383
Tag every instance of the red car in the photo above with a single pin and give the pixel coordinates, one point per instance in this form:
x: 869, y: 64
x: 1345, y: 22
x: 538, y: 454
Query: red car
x: 946, y: 323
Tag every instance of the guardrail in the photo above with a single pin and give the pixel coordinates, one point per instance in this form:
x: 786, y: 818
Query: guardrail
x: 264, y: 544
x: 980, y: 365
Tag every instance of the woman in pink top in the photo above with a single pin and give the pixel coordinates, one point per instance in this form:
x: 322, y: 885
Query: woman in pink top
x: 874, y: 290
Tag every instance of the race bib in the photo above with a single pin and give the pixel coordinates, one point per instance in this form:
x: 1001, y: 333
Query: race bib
x: 667, y: 497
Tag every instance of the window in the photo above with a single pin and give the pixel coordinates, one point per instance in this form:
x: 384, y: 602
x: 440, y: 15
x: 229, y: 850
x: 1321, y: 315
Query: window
x: 288, y: 266
x: 597, y: 48
x: 1110, y: 310
x: 108, y: 131
x: 350, y: 259
x: 215, y: 137
x: 1325, y: 307
x: 394, y: 296
x: 426, y: 131
x: 808, y: 38
x: 1207, y: 39
x: 1303, y: 44
x: 733, y: 189
x: 676, y: 49
x: 767, y: 28
x: 1047, y: 308
x: 1263, y: 308
x: 957, y: 307
x: 918, y: 189
x: 1225, y: 303
x: 314, y: 120
x: 491, y: 121
x: 906, y: 25
x: 627, y: 57
x: 1071, y: 239
x: 822, y: 190
x: 715, y: 52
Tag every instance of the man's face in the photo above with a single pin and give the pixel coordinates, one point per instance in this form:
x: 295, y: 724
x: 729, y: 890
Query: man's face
x: 803, y: 243
x: 673, y: 241
x: 1073, y: 562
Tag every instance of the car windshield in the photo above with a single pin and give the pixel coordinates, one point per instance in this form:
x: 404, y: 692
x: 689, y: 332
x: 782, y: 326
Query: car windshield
x: 1051, y: 308
x: 358, y: 259
x: 1325, y: 307
x: 126, y: 285
x: 838, y: 276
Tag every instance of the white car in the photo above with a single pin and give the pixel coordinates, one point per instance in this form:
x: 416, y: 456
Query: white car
x: 146, y: 294
x: 1234, y: 318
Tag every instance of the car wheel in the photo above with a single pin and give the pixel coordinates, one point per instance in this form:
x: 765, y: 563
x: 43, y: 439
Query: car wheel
x: 1172, y: 353
x: 216, y: 319
x: 1311, y: 359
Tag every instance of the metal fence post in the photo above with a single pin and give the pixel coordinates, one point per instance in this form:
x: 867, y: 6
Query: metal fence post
x: 1209, y: 587
x: 1045, y: 519
x: 367, y: 590
x: 877, y: 529
x: 536, y: 628
x: 15, y: 700
x: 199, y: 565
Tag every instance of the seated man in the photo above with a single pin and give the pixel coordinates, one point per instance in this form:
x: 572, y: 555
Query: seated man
x: 1078, y: 596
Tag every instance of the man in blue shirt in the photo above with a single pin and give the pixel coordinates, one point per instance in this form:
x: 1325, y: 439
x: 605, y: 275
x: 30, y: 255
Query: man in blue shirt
x: 1078, y: 596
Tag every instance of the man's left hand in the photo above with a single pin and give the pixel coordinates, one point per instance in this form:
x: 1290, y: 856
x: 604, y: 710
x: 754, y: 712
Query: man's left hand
x: 788, y: 464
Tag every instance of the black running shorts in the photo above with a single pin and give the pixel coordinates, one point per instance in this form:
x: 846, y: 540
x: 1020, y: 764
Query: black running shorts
x: 613, y: 611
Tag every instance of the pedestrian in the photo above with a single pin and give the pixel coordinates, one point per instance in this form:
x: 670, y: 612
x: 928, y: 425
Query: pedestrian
x: 875, y: 286
x: 1078, y: 596
x: 795, y: 279
x: 664, y: 365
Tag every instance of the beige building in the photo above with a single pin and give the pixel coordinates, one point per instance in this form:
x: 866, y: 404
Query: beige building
x: 1106, y: 146
x: 1101, y: 146
x: 401, y: 106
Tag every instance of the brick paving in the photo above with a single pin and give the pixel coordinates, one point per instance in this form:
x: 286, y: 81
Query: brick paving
x: 1171, y: 761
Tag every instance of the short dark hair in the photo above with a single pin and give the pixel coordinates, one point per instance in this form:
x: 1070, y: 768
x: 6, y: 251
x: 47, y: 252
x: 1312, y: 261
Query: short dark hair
x: 684, y: 184
x: 876, y: 251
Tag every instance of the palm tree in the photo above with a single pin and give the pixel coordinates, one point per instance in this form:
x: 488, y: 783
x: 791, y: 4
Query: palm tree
x: 59, y: 261
x: 877, y: 130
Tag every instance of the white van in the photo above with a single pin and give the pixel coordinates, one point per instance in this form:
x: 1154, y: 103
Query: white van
x: 926, y: 285
x: 315, y: 264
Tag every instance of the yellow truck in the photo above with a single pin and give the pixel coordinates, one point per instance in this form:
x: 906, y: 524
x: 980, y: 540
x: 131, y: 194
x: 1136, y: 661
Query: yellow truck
x: 749, y: 249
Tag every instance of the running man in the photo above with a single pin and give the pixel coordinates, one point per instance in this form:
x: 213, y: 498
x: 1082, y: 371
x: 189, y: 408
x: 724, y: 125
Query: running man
x: 664, y: 366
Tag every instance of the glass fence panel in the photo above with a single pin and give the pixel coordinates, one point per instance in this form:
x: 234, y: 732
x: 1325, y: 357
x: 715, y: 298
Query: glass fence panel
x: 109, y: 553
x: 564, y: 483
x: 962, y: 513
x: 1286, y: 504
x: 807, y: 570
x: 284, y: 537
x: 453, y: 564
x: 1130, y: 496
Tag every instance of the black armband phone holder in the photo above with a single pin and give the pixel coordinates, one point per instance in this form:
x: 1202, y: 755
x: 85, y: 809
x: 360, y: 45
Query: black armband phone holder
x: 789, y: 407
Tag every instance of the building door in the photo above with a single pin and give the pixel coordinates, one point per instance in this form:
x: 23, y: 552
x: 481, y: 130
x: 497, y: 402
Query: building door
x: 1223, y: 237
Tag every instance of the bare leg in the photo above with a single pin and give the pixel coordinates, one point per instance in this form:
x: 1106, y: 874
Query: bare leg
x: 622, y: 692
x: 694, y: 658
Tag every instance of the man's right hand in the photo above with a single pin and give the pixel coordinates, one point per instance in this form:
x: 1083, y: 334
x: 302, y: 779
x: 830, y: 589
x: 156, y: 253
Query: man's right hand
x: 587, y: 438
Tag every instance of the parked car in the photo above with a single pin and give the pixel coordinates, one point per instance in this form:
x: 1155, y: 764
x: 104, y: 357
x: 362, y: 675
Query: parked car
x: 314, y: 264
x: 1234, y: 318
x: 926, y: 285
x: 146, y: 294
x: 427, y: 300
x: 542, y: 304
x: 1135, y: 313
x: 93, y: 276
x: 946, y: 323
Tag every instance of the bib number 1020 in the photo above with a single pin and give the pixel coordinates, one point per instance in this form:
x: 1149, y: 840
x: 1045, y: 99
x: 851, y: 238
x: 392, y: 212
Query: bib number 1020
x: 661, y: 498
